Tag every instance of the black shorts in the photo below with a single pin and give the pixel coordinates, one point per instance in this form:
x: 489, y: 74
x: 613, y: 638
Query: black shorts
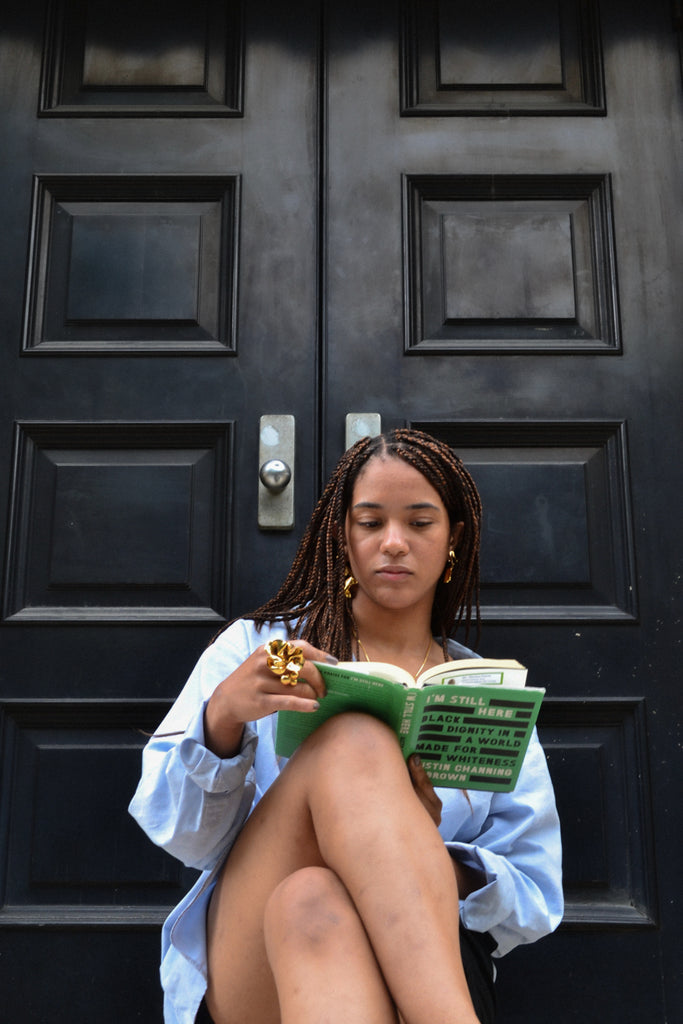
x: 476, y: 949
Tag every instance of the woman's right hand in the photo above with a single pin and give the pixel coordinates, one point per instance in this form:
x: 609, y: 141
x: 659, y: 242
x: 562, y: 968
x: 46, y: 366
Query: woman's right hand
x: 252, y: 691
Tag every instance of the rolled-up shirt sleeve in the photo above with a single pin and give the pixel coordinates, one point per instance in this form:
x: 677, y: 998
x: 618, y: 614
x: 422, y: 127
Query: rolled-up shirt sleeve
x: 208, y: 771
x: 189, y: 801
x: 518, y: 852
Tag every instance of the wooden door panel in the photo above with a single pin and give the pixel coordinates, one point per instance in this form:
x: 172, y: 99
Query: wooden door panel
x: 120, y: 522
x: 133, y: 264
x: 509, y: 263
x: 107, y: 970
x: 104, y: 61
x: 598, y: 756
x: 573, y: 559
x: 523, y: 58
x: 71, y: 857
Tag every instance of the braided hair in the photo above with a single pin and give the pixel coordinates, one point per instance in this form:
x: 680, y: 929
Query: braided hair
x: 311, y: 599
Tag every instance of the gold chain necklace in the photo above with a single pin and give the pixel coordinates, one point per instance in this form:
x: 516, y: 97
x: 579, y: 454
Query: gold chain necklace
x: 424, y: 660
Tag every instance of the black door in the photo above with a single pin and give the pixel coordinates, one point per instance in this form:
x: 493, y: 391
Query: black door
x: 463, y: 217
x: 159, y: 276
x: 511, y: 175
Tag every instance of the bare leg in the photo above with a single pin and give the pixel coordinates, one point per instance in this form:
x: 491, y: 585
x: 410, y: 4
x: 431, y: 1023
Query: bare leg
x: 313, y: 932
x: 344, y: 802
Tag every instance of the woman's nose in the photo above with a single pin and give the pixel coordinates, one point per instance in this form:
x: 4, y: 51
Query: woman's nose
x: 394, y: 539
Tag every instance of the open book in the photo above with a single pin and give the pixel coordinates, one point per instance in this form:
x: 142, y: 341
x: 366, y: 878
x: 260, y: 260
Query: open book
x: 470, y: 721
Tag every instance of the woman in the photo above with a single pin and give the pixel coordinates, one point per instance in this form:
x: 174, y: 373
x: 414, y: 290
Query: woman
x: 353, y: 891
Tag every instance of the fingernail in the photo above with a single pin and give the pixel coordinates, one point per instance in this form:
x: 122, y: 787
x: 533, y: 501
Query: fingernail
x: 417, y: 760
x: 331, y: 660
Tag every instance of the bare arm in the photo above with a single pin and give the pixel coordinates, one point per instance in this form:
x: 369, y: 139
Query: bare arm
x: 252, y: 692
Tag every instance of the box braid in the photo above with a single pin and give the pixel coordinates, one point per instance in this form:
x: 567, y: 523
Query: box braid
x: 311, y: 599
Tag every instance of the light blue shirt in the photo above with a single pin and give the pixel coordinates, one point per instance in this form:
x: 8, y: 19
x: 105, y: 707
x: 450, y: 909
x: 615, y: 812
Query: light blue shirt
x: 193, y: 804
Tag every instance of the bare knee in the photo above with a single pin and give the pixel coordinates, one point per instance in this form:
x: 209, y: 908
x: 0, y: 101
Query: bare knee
x: 355, y: 737
x: 309, y: 913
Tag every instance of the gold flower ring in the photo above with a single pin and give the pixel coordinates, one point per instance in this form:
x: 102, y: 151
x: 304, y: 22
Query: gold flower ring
x: 284, y: 660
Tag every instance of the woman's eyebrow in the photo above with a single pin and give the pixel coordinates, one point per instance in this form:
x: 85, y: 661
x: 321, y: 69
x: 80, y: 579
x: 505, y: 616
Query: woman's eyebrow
x: 413, y: 507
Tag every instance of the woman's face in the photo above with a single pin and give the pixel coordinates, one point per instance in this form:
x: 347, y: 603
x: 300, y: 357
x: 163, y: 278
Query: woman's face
x: 397, y: 535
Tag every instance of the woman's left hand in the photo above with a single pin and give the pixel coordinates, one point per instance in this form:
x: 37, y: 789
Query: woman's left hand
x: 424, y: 789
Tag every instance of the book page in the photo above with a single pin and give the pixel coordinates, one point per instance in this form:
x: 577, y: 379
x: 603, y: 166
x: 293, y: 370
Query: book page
x: 478, y: 671
x: 378, y: 669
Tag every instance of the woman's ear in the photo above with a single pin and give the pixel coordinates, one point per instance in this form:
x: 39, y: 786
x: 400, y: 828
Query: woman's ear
x: 456, y: 534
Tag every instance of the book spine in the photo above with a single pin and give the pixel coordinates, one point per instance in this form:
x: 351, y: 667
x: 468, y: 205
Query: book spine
x: 405, y: 730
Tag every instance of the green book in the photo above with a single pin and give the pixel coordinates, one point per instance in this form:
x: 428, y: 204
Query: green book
x: 470, y: 721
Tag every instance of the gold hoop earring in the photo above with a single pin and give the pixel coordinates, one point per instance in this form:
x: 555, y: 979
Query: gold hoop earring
x: 350, y: 584
x: 450, y: 564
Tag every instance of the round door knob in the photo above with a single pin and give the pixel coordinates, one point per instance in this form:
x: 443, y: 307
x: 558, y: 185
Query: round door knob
x: 275, y: 475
